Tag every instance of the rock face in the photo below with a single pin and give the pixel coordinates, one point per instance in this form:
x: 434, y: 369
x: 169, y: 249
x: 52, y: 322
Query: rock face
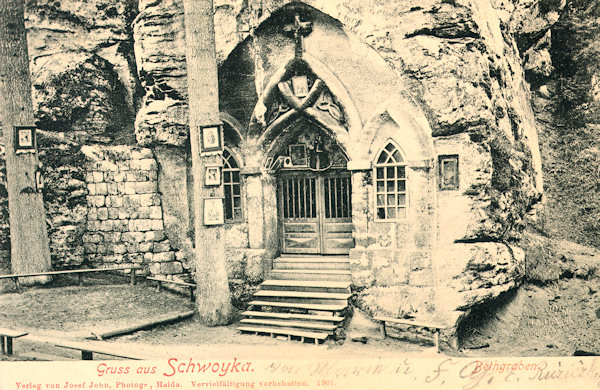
x: 159, y: 35
x: 466, y: 64
x: 63, y: 170
x: 85, y: 98
x: 458, y: 59
x: 474, y: 274
x: 83, y: 72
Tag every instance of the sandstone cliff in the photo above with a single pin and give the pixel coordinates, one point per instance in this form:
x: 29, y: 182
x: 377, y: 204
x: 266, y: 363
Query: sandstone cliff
x: 114, y: 72
x: 459, y: 59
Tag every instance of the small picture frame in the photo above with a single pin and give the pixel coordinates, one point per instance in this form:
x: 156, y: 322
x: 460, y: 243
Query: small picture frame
x: 449, y: 173
x: 212, y: 175
x: 25, y: 139
x: 300, y: 86
x: 211, y: 138
x: 297, y: 155
x: 213, y: 211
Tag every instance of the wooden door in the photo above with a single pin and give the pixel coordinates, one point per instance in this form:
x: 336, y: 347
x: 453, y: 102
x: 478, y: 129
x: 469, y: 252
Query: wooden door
x: 336, y: 220
x: 315, y: 212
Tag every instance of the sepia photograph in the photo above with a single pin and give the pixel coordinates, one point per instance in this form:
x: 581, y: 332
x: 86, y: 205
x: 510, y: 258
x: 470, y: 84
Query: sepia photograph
x: 213, y: 211
x: 211, y: 139
x: 273, y: 194
x: 25, y: 138
x: 212, y: 176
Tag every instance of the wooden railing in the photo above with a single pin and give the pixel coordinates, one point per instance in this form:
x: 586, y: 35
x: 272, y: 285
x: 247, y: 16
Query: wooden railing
x: 160, y: 281
x: 78, y: 272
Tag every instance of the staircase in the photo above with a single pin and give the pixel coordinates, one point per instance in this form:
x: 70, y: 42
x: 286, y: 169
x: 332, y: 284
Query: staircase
x: 304, y: 297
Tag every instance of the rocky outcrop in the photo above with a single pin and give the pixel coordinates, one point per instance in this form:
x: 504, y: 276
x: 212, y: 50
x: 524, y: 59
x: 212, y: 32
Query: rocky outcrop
x: 80, y: 93
x: 460, y: 59
x: 475, y: 273
x: 160, y: 54
x: 532, y: 19
x: 82, y: 67
x: 548, y: 260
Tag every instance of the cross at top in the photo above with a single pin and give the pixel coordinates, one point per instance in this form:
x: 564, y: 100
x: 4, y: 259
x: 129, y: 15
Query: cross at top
x: 300, y: 30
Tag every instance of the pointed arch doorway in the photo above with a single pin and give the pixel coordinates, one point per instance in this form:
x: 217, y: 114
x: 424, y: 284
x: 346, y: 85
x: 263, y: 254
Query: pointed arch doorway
x: 314, y: 192
x: 315, y: 212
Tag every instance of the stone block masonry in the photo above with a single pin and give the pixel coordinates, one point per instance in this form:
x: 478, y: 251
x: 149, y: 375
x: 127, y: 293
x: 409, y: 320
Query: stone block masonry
x: 125, y: 219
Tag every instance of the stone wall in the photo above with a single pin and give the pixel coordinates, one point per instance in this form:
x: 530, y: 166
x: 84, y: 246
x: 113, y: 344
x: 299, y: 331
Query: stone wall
x: 63, y: 168
x: 392, y: 261
x: 458, y: 59
x: 126, y: 221
x: 125, y: 218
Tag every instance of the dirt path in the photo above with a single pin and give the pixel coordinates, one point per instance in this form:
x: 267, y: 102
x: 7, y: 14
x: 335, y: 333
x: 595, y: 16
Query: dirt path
x: 538, y: 321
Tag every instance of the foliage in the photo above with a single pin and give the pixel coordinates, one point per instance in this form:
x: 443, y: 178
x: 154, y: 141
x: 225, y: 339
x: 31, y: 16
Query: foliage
x: 572, y: 158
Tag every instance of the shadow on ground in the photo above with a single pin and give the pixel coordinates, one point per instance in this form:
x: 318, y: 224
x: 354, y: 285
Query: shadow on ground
x: 64, y: 310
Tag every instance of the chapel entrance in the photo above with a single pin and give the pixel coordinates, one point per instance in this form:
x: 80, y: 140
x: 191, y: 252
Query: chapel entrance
x: 315, y: 210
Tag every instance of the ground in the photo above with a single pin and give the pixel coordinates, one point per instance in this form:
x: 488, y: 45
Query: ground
x: 551, y: 320
x: 554, y: 320
x: 64, y: 310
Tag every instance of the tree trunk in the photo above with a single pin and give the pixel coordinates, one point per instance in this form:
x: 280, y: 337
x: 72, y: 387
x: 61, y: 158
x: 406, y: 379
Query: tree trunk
x: 30, y: 250
x: 213, y: 300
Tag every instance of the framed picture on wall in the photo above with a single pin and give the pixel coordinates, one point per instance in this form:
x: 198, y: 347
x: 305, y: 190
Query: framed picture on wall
x: 298, y: 155
x: 213, y: 211
x: 448, y: 172
x: 24, y: 139
x: 211, y: 138
x: 300, y: 86
x: 212, y: 175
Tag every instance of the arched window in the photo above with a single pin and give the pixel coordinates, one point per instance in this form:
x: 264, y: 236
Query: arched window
x: 390, y: 184
x: 232, y: 186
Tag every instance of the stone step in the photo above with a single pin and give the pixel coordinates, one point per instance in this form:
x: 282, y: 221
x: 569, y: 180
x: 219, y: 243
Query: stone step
x: 301, y: 294
x: 307, y: 285
x: 307, y: 300
x: 293, y: 316
x: 312, y: 275
x: 299, y: 305
x: 314, y: 259
x: 312, y: 264
x: 290, y: 324
x: 317, y: 336
x: 300, y: 284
